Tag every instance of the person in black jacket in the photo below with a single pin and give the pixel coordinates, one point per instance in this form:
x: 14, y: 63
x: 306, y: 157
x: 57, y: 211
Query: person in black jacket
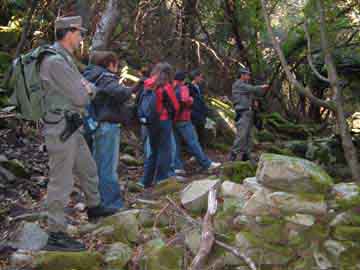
x: 106, y: 139
x: 200, y: 110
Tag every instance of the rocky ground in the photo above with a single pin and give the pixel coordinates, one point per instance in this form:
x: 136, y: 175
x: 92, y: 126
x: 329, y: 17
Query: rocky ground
x: 286, y: 213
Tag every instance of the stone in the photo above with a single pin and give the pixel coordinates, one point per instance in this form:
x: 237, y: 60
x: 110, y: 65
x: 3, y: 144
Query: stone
x: 117, y: 255
x: 165, y: 257
x: 28, y: 236
x: 195, y: 196
x: 237, y: 171
x: 292, y: 174
x: 166, y: 187
x: 85, y: 260
x: 351, y: 218
x: 346, y: 195
x: 252, y: 184
x: 231, y: 189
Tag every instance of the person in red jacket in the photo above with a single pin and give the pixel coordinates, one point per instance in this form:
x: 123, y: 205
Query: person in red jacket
x: 157, y: 166
x: 184, y: 129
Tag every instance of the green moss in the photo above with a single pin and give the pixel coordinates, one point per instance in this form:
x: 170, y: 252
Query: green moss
x: 311, y: 197
x: 237, y: 171
x: 69, y: 261
x: 278, y: 150
x: 346, y: 233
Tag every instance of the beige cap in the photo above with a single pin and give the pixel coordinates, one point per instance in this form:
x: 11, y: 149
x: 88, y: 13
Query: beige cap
x: 69, y: 22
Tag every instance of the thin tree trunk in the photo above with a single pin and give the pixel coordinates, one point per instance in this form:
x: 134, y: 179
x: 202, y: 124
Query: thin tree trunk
x: 346, y: 139
x: 106, y: 25
x: 292, y: 79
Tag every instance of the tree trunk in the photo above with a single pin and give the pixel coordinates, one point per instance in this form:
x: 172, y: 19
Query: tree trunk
x: 106, y: 25
x: 346, y: 139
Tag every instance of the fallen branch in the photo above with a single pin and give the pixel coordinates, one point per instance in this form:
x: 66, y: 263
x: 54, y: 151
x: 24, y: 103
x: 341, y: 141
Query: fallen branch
x: 159, y: 214
x: 207, y: 235
x: 227, y: 247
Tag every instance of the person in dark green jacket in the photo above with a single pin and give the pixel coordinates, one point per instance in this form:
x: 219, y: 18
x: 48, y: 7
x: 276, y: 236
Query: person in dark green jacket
x: 242, y: 97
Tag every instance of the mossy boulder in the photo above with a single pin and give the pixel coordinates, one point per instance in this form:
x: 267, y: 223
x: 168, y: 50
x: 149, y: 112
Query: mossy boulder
x: 292, y: 174
x: 237, y: 171
x: 117, y: 255
x: 346, y: 195
x: 69, y: 260
x: 130, y: 160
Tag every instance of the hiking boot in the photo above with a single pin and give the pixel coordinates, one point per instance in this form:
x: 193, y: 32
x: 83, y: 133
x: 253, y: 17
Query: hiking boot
x: 214, y: 165
x: 60, y: 241
x: 99, y: 211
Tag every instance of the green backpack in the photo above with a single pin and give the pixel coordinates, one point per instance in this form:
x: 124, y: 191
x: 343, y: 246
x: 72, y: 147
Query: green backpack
x: 25, y: 82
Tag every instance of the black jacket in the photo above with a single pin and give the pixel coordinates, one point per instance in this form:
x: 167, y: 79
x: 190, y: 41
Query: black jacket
x: 111, y: 96
x: 199, y: 109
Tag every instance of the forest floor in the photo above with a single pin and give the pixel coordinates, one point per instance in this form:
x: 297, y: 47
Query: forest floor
x: 26, y: 194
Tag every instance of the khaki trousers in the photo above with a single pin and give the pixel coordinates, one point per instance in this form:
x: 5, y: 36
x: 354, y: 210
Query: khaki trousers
x: 243, y: 143
x: 65, y: 159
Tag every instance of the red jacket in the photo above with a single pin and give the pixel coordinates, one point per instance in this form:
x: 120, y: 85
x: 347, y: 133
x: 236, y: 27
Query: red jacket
x: 149, y: 85
x: 185, y: 101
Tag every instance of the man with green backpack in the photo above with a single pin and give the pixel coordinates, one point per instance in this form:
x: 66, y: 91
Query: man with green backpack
x: 49, y: 86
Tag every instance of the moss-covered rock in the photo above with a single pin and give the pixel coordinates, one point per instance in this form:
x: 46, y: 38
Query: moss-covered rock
x: 69, y: 260
x: 292, y: 174
x: 237, y: 171
x: 350, y: 260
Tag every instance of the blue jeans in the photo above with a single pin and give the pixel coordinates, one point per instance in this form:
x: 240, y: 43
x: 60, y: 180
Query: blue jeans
x: 158, y: 165
x: 147, y: 148
x: 185, y: 130
x: 106, y: 154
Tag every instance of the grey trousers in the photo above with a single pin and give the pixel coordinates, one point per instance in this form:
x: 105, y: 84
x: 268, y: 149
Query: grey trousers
x: 242, y: 143
x: 65, y: 160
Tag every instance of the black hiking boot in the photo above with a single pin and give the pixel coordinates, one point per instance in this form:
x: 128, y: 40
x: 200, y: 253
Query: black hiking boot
x: 60, y: 241
x: 99, y: 211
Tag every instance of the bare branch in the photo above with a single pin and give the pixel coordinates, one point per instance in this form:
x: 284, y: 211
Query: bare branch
x: 309, y: 57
